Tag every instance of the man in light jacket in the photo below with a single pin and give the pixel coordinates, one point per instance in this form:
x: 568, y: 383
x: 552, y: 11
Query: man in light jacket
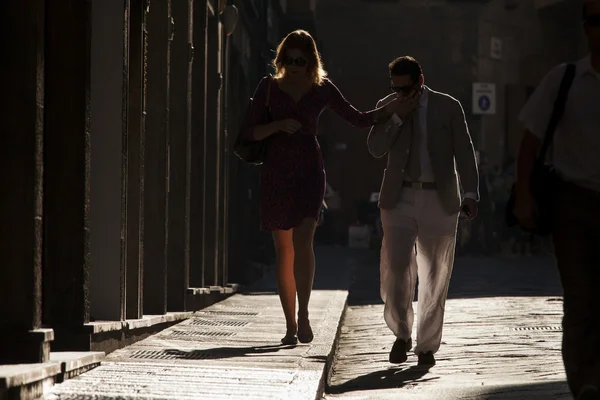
x: 428, y: 148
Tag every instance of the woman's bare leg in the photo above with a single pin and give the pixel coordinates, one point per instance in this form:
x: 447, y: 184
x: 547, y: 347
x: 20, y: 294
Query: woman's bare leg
x: 286, y: 284
x: 304, y: 273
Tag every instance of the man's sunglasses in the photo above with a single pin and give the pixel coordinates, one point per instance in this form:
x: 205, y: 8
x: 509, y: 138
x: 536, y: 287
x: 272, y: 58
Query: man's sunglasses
x: 301, y: 62
x: 593, y: 20
x: 404, y: 89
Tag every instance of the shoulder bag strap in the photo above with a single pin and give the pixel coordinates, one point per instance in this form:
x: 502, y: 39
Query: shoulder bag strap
x: 268, y: 99
x: 558, y: 110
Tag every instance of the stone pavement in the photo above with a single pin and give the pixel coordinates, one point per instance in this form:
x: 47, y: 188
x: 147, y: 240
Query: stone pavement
x: 501, y: 338
x: 229, y: 350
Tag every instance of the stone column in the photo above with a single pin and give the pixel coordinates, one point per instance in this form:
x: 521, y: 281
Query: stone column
x: 160, y: 31
x: 67, y: 166
x: 178, y: 250
x: 211, y: 157
x: 21, y: 158
x: 107, y: 274
x: 197, y: 193
x: 136, y: 98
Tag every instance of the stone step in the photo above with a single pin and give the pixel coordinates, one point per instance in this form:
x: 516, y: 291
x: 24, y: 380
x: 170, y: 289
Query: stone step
x: 30, y: 381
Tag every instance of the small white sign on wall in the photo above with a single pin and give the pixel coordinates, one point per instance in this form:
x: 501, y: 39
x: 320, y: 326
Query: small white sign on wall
x: 484, y: 98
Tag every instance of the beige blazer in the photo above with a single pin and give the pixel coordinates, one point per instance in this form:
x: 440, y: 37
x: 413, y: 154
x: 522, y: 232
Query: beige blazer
x: 449, y: 145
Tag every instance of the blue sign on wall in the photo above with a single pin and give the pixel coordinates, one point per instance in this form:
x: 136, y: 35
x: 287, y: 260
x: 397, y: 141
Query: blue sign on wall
x: 484, y: 103
x: 484, y: 98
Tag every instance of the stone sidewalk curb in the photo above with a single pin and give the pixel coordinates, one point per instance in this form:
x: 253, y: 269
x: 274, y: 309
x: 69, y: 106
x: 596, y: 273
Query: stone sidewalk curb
x: 190, y: 362
x: 334, y: 332
x: 230, y: 350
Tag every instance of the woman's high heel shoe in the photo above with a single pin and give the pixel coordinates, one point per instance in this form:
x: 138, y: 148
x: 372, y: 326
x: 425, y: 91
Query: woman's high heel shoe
x: 289, y: 340
x: 305, y: 333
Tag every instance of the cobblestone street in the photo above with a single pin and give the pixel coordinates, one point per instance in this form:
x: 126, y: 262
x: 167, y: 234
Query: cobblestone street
x: 501, y: 338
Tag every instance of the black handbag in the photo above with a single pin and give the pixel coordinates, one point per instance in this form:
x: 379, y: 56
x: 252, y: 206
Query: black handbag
x: 254, y: 151
x: 543, y: 175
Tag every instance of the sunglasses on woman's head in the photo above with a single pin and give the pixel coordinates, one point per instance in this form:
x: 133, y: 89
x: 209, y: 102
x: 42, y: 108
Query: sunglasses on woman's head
x: 301, y: 62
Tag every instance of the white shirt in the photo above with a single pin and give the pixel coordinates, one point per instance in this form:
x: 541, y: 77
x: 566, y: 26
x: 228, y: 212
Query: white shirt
x: 576, y: 142
x: 426, y: 169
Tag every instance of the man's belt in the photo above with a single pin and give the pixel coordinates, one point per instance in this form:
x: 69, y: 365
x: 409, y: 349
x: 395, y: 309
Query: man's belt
x: 419, y: 185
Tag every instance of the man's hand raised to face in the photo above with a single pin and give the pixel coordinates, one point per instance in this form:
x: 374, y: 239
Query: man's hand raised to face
x: 404, y: 105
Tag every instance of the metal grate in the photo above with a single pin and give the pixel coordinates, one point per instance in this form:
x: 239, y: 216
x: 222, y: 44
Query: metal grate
x: 208, y: 322
x: 201, y: 333
x: 234, y: 313
x: 234, y: 307
x: 539, y: 328
x: 261, y: 293
x: 169, y: 355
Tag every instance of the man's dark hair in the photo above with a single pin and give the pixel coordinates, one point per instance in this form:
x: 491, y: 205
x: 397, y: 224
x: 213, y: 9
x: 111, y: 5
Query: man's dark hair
x: 584, y: 10
x: 406, y: 65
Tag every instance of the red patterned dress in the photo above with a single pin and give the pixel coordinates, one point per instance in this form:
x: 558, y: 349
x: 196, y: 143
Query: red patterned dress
x: 292, y: 178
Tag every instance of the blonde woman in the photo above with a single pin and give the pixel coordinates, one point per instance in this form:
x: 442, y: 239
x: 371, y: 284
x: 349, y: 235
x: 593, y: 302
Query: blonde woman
x: 292, y: 178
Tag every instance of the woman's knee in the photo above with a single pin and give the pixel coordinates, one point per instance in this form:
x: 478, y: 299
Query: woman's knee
x: 304, y: 234
x: 283, y: 242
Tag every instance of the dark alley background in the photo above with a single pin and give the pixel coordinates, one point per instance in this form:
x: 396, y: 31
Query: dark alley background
x: 124, y: 210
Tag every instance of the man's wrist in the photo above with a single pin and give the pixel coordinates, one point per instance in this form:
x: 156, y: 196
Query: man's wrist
x: 397, y: 119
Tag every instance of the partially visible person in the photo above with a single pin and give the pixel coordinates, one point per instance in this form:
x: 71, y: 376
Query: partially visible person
x: 500, y: 194
x: 482, y: 239
x: 330, y: 230
x: 576, y: 215
x: 292, y: 177
x: 428, y: 149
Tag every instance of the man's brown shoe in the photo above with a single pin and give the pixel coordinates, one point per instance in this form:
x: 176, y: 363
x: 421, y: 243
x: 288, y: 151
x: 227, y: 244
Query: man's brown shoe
x: 426, y: 359
x: 399, y: 349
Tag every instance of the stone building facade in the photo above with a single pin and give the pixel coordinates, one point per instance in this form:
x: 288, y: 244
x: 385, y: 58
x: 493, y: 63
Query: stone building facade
x: 507, y: 43
x: 123, y: 207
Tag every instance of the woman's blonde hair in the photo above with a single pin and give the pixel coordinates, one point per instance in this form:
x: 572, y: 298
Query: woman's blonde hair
x: 301, y: 40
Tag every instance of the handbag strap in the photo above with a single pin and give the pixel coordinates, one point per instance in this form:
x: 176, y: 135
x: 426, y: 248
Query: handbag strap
x: 268, y: 99
x: 558, y: 110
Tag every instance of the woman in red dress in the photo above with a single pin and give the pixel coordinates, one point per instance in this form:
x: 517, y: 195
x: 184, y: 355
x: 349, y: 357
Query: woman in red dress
x: 292, y: 178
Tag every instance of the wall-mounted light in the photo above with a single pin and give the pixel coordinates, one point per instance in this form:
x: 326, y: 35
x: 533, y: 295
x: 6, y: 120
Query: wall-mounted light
x: 230, y: 19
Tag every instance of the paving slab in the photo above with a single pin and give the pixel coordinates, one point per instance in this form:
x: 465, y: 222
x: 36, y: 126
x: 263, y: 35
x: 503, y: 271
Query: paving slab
x: 502, y: 339
x: 229, y: 350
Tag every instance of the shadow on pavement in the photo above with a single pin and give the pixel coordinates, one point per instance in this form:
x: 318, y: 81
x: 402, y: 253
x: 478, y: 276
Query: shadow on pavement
x: 225, y: 352
x: 501, y: 277
x: 555, y: 390
x: 395, y: 378
x: 260, y: 293
x: 386, y: 379
x: 338, y: 268
x: 472, y: 277
x: 335, y: 268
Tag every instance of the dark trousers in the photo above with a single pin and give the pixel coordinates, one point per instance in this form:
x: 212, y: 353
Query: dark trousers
x: 577, y: 248
x: 485, y: 244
